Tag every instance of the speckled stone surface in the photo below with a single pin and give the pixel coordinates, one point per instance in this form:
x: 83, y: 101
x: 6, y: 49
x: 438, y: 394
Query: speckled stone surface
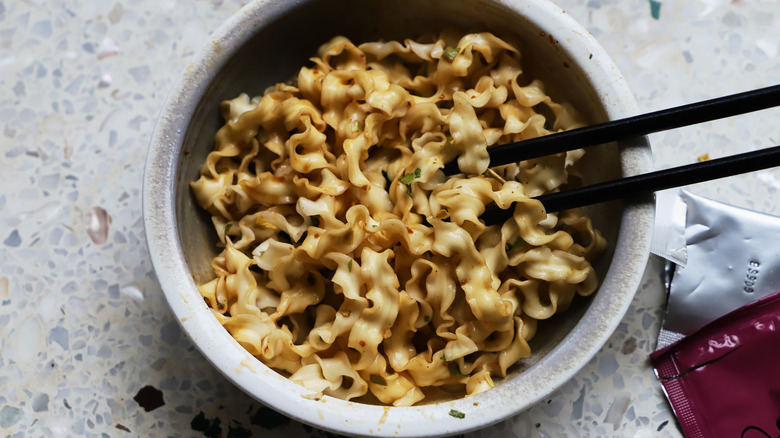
x: 89, y: 347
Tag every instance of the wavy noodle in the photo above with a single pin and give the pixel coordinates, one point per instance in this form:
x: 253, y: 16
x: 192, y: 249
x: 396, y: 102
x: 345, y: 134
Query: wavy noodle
x: 351, y: 263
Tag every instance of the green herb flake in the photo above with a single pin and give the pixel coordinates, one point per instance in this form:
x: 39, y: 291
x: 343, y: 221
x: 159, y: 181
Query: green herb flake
x: 349, y: 266
x: 457, y: 414
x: 227, y: 227
x: 455, y: 370
x: 357, y: 126
x: 518, y: 243
x: 378, y: 380
x: 451, y: 52
x: 443, y: 357
x: 427, y: 318
x: 408, y: 178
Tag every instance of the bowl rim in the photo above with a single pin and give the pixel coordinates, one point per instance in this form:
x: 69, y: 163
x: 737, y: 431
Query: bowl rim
x: 295, y: 401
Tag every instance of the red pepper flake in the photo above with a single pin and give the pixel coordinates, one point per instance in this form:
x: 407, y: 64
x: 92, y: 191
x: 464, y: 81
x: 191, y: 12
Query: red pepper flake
x: 551, y: 39
x: 409, y: 230
x: 362, y: 343
x: 317, y: 236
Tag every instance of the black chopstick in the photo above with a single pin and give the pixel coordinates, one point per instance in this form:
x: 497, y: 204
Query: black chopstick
x: 633, y: 186
x: 631, y: 127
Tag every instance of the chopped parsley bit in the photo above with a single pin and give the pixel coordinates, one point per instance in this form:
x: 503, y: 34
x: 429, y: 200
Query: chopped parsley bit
x: 408, y: 178
x: 427, y: 318
x: 457, y: 414
x: 349, y: 266
x: 221, y: 305
x: 519, y: 242
x: 315, y: 221
x: 590, y: 56
x: 455, y: 370
x: 378, y: 380
x: 451, y: 52
x: 357, y: 126
x: 443, y: 357
x: 227, y: 227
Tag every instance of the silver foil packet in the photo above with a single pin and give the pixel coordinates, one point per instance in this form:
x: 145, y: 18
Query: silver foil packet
x: 730, y: 258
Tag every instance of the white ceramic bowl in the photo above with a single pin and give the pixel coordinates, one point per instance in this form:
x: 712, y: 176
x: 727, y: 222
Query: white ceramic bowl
x: 266, y: 42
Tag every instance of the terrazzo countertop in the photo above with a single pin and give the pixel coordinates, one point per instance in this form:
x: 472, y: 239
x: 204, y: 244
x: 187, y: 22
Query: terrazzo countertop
x: 89, y: 346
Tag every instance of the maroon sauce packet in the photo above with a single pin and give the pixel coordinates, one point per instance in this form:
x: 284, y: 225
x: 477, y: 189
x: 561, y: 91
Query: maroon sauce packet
x: 724, y: 379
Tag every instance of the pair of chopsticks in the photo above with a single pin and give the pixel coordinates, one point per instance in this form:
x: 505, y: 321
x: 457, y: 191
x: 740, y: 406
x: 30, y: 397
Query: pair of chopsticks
x: 632, y: 127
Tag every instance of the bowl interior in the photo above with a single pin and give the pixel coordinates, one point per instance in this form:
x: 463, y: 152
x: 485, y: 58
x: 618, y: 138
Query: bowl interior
x: 262, y: 61
x: 271, y: 41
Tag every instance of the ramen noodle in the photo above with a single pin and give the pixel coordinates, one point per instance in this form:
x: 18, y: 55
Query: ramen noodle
x: 351, y: 264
